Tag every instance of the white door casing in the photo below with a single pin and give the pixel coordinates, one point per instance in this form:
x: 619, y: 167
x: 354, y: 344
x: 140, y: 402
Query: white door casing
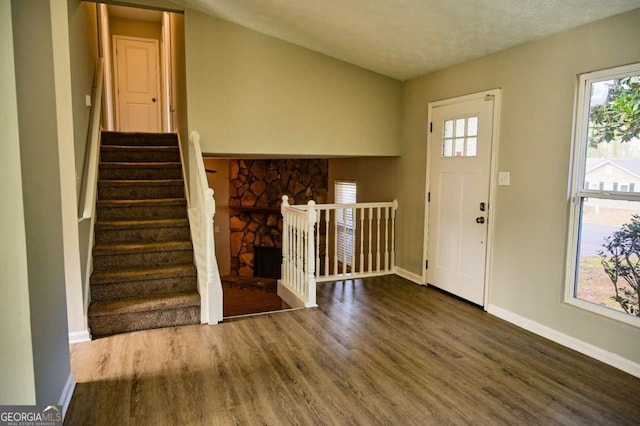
x: 137, y: 80
x: 459, y: 183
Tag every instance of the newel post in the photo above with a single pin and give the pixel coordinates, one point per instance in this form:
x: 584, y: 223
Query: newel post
x: 393, y: 235
x: 310, y: 263
x: 285, y: 239
x: 214, y: 286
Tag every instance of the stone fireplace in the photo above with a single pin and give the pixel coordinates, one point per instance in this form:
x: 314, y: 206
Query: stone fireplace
x: 256, y: 188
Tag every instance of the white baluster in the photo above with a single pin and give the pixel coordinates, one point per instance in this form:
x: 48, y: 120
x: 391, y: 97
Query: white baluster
x: 393, y: 234
x: 317, y: 244
x: 327, y: 227
x: 361, y: 268
x: 369, y: 257
x: 386, y: 238
x: 378, y: 239
x: 344, y: 236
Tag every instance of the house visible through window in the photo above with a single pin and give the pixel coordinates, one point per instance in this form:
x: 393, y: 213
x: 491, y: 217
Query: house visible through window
x: 345, y: 193
x: 604, y: 254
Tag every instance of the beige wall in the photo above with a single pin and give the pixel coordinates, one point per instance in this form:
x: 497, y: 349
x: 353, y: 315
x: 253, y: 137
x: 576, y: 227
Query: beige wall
x: 135, y: 28
x: 36, y: 82
x: 17, y: 381
x: 219, y: 182
x: 83, y: 51
x: 178, y: 81
x: 76, y: 46
x: 253, y: 94
x: 531, y: 216
x: 371, y: 175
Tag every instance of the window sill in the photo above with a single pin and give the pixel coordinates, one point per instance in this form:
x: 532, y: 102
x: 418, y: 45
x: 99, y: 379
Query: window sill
x: 604, y: 311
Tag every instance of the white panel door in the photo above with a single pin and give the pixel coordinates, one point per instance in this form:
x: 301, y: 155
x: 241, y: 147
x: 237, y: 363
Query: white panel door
x: 460, y: 162
x: 137, y: 84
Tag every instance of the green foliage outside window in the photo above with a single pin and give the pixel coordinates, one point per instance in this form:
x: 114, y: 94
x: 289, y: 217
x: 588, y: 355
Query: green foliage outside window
x: 621, y: 261
x: 619, y: 117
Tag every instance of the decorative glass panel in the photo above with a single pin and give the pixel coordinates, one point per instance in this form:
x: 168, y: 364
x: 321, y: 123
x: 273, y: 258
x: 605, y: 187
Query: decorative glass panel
x: 472, y: 126
x: 447, y: 149
x: 460, y: 127
x: 448, y: 129
x: 472, y: 145
x: 459, y: 147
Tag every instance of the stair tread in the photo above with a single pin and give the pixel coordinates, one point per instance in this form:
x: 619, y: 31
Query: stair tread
x: 142, y: 202
x: 136, y: 223
x: 144, y: 303
x: 139, y: 148
x: 135, y: 274
x: 138, y: 164
x: 139, y: 182
x: 122, y: 248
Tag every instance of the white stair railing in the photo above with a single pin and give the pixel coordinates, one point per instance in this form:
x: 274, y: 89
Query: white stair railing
x: 329, y: 242
x: 201, y: 212
x: 89, y: 183
x: 297, y: 287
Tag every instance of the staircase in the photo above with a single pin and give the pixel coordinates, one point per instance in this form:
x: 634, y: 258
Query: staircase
x: 143, y: 272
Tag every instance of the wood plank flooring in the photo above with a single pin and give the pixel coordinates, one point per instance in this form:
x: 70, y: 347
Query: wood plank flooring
x: 376, y: 351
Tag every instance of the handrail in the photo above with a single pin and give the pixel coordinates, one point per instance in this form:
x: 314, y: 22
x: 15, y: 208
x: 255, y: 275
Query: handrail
x: 88, y: 188
x: 348, y: 205
x: 201, y: 213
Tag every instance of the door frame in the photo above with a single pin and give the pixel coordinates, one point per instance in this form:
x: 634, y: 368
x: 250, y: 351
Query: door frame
x: 493, y: 167
x: 116, y: 81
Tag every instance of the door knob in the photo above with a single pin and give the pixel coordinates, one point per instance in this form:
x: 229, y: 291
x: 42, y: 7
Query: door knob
x: 153, y: 99
x: 480, y: 219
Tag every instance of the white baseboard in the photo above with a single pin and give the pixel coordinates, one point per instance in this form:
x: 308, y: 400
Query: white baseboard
x: 79, y: 336
x: 67, y: 393
x: 289, y: 297
x: 585, y: 348
x: 409, y: 275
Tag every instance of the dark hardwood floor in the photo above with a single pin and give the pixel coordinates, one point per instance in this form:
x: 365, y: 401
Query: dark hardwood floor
x: 376, y: 351
x: 249, y: 295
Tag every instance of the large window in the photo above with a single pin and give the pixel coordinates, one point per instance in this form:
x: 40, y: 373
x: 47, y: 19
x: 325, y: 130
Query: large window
x: 604, y: 256
x: 345, y: 193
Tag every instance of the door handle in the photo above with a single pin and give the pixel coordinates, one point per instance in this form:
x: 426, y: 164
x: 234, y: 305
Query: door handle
x: 480, y: 219
x: 153, y: 99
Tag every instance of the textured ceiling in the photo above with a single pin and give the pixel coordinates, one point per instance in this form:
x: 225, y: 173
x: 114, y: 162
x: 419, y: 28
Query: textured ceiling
x: 408, y: 38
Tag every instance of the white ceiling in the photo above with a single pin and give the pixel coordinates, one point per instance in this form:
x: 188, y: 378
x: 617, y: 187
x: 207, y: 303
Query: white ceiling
x: 408, y: 38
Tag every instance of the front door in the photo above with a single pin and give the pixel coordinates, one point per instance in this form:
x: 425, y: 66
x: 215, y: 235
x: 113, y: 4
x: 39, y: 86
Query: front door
x: 459, y: 183
x: 137, y: 84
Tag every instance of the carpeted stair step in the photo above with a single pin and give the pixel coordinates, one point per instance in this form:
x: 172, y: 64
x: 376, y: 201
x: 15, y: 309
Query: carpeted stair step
x: 162, y: 208
x: 139, y: 139
x: 137, y: 255
x: 138, y: 282
x: 143, y: 273
x: 124, y: 315
x: 148, y: 170
x: 139, y: 154
x: 140, y: 189
x: 143, y: 231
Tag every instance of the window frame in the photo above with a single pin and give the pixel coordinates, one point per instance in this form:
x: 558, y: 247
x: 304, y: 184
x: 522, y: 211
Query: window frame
x: 578, y: 193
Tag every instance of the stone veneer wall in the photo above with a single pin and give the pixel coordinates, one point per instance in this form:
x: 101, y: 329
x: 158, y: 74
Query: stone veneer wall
x: 256, y: 188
